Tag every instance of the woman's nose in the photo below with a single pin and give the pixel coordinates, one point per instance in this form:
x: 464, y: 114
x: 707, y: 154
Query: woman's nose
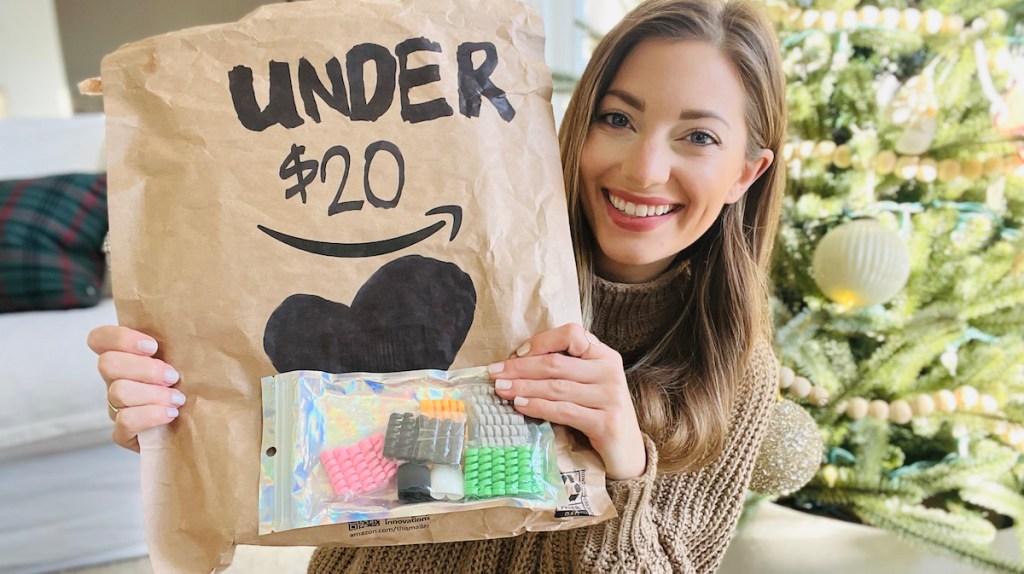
x: 646, y: 163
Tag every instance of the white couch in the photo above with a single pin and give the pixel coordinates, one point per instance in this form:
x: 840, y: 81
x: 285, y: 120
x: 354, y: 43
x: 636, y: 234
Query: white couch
x: 68, y: 496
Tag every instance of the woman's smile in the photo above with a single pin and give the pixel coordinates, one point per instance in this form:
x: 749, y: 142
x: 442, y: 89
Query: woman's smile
x: 637, y: 213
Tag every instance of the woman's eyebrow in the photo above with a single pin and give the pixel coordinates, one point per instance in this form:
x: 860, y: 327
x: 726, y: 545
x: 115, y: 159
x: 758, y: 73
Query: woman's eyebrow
x: 639, y: 104
x: 701, y: 115
x: 627, y: 97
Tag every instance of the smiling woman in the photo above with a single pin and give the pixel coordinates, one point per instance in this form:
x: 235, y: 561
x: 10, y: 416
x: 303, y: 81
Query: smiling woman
x: 661, y: 160
x: 670, y: 149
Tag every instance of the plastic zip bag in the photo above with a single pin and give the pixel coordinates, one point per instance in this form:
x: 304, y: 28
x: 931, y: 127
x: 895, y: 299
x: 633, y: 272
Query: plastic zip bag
x: 361, y: 446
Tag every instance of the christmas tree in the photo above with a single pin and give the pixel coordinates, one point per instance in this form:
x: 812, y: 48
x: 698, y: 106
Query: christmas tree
x: 899, y: 272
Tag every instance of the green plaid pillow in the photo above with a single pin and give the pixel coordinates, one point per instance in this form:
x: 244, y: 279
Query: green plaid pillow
x: 51, y: 239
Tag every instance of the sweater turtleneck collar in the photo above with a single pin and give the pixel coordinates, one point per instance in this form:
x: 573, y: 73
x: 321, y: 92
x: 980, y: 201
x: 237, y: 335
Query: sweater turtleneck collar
x: 629, y: 317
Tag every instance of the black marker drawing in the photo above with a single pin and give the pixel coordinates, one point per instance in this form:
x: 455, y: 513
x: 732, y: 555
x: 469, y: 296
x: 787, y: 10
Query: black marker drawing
x: 413, y: 313
x: 372, y: 248
x: 391, y: 74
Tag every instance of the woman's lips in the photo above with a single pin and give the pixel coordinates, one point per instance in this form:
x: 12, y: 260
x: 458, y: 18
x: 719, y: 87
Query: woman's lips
x: 634, y: 203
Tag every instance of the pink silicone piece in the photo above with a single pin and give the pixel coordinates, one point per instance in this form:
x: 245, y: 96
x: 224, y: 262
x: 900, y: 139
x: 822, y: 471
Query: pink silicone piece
x: 358, y: 468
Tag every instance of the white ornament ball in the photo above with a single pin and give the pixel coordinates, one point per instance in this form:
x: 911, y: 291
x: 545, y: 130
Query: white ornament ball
x: 900, y: 412
x: 967, y: 397
x: 906, y: 167
x: 953, y: 24
x: 869, y: 15
x: 911, y: 19
x: 1014, y: 436
x: 945, y: 401
x: 849, y: 19
x: 878, y: 409
x: 923, y: 405
x: 927, y: 171
x: 989, y: 404
x: 858, y: 408
x: 825, y: 149
x: 829, y: 21
x: 890, y: 17
x: 861, y: 263
x: 786, y: 376
x: 818, y: 396
x: 800, y: 388
x: 932, y: 21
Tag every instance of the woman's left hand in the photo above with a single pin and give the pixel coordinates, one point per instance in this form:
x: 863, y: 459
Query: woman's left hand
x: 568, y: 377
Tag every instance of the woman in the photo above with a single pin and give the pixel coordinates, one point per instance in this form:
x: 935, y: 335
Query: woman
x: 670, y: 147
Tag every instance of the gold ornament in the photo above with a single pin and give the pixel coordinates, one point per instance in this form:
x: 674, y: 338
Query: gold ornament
x: 886, y: 162
x: 861, y: 263
x: 790, y: 454
x: 842, y: 157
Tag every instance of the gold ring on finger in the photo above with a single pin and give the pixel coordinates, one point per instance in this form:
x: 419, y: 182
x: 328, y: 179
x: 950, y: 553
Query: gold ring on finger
x: 112, y: 407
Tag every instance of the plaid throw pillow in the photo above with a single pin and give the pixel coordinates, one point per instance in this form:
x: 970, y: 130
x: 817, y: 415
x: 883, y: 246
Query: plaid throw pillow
x: 51, y: 239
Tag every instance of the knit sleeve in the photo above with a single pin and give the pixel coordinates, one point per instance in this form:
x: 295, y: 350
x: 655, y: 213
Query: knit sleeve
x: 684, y: 522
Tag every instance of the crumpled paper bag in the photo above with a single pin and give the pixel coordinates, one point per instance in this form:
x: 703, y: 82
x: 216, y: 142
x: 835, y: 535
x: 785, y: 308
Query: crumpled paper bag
x: 337, y: 185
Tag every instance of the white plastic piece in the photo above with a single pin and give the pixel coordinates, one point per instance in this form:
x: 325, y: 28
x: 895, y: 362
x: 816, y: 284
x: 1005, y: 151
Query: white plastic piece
x: 446, y: 483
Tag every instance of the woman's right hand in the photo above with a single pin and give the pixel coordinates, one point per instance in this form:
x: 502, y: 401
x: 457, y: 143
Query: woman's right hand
x: 139, y: 386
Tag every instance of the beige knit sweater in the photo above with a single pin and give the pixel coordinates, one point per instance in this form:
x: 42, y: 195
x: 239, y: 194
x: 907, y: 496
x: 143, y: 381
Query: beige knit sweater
x: 667, y: 523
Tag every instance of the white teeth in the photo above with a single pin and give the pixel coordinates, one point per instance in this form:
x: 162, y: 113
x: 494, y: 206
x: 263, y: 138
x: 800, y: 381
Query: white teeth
x: 634, y: 210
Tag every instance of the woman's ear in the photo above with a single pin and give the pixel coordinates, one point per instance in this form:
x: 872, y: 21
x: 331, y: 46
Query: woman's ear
x: 751, y: 171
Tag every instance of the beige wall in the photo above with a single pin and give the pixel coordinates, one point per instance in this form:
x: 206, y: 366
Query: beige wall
x: 91, y: 29
x: 31, y: 67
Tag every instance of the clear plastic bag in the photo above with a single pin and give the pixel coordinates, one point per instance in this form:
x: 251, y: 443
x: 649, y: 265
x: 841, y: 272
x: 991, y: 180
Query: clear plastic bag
x: 344, y: 448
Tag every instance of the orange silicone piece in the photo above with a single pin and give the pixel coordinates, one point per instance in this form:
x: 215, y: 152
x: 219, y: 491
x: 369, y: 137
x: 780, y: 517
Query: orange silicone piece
x: 437, y: 407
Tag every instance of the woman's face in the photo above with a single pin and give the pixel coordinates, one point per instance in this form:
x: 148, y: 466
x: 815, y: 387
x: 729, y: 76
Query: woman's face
x: 664, y: 153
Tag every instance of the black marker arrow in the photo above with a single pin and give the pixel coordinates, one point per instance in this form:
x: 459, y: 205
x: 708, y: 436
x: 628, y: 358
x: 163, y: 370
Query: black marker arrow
x: 374, y: 248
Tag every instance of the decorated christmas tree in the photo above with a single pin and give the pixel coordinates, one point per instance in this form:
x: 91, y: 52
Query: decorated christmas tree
x: 899, y: 270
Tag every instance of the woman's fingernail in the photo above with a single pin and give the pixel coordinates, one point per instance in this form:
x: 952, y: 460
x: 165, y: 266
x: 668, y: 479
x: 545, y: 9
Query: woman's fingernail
x: 495, y: 368
x: 503, y: 384
x: 177, y: 398
x: 523, y: 350
x: 171, y: 376
x: 521, y: 401
x: 147, y: 346
x: 173, y: 413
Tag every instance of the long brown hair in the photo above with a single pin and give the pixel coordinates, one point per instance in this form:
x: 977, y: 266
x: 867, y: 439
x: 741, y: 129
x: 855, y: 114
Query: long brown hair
x: 684, y: 386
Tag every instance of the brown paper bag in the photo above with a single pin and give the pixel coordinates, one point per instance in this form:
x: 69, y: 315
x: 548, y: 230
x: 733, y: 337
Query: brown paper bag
x: 261, y: 174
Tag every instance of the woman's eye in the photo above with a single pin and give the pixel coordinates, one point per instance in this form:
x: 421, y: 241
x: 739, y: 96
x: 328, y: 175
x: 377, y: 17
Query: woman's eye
x: 616, y: 119
x: 702, y: 138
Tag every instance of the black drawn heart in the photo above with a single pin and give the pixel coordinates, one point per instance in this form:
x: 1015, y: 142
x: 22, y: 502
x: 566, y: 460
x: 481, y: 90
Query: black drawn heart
x: 412, y: 313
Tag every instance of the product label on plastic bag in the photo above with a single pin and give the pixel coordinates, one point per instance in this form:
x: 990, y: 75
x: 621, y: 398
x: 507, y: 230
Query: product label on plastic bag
x: 380, y: 451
